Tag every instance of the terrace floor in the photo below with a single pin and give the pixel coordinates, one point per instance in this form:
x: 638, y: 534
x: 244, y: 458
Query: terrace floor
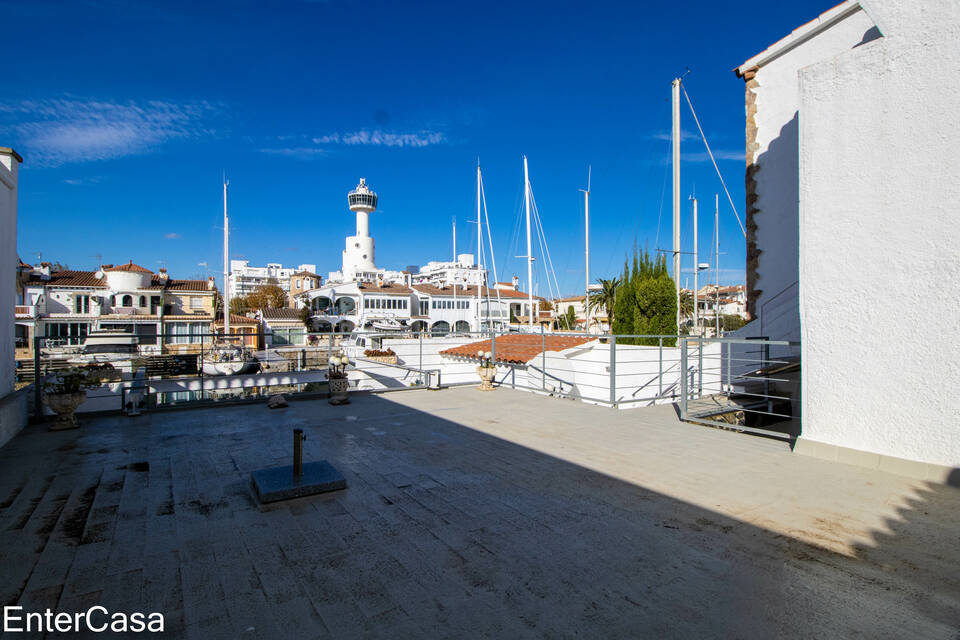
x: 500, y: 515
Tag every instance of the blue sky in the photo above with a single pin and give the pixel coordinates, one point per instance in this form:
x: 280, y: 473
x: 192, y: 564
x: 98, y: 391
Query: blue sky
x: 127, y: 113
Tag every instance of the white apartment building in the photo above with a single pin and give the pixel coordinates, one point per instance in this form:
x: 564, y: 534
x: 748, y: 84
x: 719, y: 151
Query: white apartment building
x: 244, y: 279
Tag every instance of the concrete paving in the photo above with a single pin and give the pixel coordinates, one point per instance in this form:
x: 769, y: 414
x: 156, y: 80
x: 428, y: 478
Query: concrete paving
x: 469, y: 515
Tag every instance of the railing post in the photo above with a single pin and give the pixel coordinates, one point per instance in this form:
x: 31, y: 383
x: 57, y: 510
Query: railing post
x: 699, y: 367
x: 420, y: 336
x: 37, y: 396
x: 543, y: 352
x: 660, y: 370
x: 613, y: 371
x: 683, y: 378
x: 766, y: 377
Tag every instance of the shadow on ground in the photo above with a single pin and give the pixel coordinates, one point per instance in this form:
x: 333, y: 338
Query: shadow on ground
x: 443, y: 531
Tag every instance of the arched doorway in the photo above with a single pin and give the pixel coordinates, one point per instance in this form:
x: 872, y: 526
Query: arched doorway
x: 322, y: 326
x: 461, y: 326
x: 419, y: 326
x: 344, y: 306
x: 344, y: 326
x: 440, y: 328
x: 320, y: 304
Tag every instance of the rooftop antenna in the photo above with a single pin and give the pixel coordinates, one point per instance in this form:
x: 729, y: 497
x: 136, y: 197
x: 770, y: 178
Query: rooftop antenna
x: 586, y: 242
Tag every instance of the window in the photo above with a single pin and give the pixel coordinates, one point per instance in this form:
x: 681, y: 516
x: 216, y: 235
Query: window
x: 186, y: 332
x: 67, y: 332
x: 424, y: 307
x: 289, y: 335
x: 143, y: 301
x: 81, y: 304
x: 196, y: 302
x: 127, y: 301
x: 298, y: 283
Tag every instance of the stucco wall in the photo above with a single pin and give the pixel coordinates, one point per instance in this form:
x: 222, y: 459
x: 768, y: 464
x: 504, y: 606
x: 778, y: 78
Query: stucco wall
x: 880, y: 238
x: 9, y: 169
x: 773, y: 102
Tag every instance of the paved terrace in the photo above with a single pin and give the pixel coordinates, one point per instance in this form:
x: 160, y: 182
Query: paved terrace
x: 500, y: 515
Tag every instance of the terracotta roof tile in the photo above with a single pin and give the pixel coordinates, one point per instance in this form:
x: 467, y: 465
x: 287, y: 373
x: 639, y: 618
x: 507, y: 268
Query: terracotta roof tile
x: 71, y: 279
x: 281, y: 314
x: 518, y: 348
x: 129, y: 267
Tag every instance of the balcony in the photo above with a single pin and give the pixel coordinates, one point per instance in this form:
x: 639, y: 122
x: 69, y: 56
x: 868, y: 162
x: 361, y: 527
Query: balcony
x: 472, y: 515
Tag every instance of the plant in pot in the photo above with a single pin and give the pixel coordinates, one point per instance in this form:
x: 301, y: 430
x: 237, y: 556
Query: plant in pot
x: 337, y: 378
x: 66, y: 390
x: 487, y: 370
x: 387, y: 356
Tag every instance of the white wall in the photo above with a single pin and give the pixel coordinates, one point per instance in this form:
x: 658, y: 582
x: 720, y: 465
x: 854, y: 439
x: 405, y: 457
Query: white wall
x: 580, y: 372
x: 9, y: 170
x: 776, y: 159
x: 879, y: 160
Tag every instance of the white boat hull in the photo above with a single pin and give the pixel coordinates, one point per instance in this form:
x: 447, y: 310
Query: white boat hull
x: 229, y: 368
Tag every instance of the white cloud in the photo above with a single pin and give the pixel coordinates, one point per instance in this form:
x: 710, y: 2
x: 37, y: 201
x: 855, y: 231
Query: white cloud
x: 172, y: 236
x: 65, y: 130
x: 721, y: 154
x: 302, y: 153
x: 383, y: 138
x: 79, y: 181
x: 684, y: 135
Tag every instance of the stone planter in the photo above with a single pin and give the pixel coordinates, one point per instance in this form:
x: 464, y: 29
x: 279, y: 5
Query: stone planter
x: 338, y: 391
x: 64, y: 405
x: 487, y: 375
x: 384, y: 359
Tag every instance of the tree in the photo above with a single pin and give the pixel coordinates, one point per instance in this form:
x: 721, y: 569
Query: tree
x: 731, y: 322
x: 267, y: 296
x: 570, y: 318
x: 645, y: 302
x: 306, y: 318
x: 686, y: 303
x: 239, y: 306
x: 546, y: 305
x: 605, y: 298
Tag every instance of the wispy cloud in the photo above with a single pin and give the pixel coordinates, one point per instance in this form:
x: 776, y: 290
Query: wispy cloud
x: 79, y: 181
x: 302, y: 153
x: 172, y: 236
x: 377, y: 137
x: 65, y: 130
x: 684, y: 135
x: 720, y: 155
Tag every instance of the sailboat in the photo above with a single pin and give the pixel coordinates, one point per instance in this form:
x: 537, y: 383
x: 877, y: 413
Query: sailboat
x: 225, y: 358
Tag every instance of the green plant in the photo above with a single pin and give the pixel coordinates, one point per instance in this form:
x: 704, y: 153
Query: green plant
x: 76, y: 379
x: 306, y: 318
x: 606, y: 297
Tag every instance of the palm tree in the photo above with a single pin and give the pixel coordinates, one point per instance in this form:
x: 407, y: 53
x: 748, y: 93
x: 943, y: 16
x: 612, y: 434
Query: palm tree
x: 605, y: 297
x: 686, y: 303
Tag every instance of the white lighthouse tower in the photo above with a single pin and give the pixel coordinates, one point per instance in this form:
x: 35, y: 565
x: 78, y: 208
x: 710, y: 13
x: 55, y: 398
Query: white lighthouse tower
x: 358, y: 256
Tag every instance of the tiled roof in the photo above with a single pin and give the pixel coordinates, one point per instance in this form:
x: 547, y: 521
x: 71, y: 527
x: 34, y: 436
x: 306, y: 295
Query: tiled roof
x: 386, y: 288
x: 235, y: 319
x: 518, y: 348
x: 187, y: 285
x: 471, y: 291
x: 571, y: 299
x: 129, y: 267
x: 305, y: 274
x: 281, y: 314
x: 71, y: 279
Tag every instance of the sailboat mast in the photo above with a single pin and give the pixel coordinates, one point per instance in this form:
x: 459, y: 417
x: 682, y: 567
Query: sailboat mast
x: 675, y: 136
x: 526, y: 199
x: 226, y: 264
x: 479, y: 250
x: 586, y: 258
x: 716, y: 226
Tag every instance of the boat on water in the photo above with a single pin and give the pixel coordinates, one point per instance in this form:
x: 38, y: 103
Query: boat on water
x: 107, y: 347
x: 385, y: 324
x: 227, y: 359
x: 223, y: 357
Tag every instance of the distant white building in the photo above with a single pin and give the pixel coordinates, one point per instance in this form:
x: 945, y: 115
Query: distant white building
x: 244, y: 279
x: 851, y: 189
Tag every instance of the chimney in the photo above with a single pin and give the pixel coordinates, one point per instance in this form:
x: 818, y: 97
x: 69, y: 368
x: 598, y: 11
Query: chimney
x: 211, y: 284
x: 516, y: 283
x: 163, y: 274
